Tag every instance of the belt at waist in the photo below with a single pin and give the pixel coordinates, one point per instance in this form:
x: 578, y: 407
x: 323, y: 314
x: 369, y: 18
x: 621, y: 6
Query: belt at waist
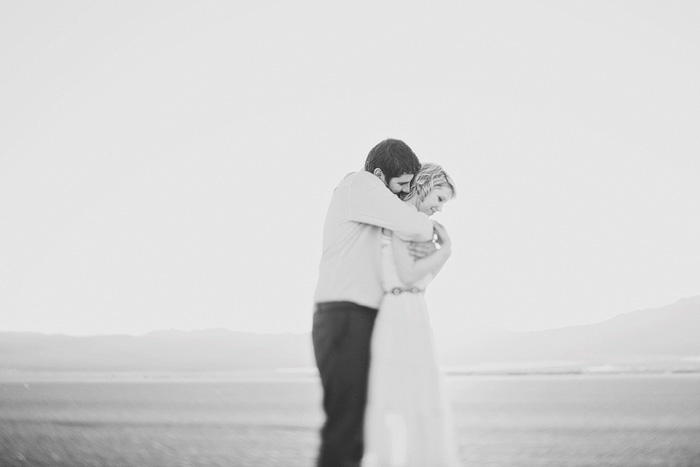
x: 400, y: 290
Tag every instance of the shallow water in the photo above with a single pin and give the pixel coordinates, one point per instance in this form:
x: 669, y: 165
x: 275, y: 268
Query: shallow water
x: 528, y: 421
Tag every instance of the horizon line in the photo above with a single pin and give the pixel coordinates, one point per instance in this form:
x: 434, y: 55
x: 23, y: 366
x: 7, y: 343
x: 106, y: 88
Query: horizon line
x: 265, y: 333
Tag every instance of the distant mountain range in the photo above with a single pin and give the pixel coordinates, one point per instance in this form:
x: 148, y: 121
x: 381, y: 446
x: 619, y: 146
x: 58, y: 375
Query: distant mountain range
x: 665, y: 338
x: 206, y: 350
x: 658, y: 339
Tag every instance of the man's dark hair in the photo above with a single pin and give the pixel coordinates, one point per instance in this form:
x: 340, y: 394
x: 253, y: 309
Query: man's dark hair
x: 394, y: 158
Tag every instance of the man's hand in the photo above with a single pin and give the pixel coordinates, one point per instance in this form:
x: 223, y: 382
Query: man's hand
x: 420, y: 250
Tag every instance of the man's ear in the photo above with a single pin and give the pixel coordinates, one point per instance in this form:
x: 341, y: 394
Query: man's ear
x: 380, y: 174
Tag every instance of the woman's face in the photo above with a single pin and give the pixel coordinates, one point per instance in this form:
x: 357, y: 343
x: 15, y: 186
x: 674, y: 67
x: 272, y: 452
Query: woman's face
x: 435, y: 199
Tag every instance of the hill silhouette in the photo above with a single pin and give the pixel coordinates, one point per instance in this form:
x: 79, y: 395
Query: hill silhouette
x: 664, y: 338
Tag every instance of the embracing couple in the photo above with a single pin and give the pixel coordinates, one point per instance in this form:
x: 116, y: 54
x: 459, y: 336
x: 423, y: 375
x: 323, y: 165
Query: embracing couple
x: 380, y: 251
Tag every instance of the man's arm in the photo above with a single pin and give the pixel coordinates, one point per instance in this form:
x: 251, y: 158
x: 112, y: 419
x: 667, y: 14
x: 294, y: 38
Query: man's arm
x: 370, y: 202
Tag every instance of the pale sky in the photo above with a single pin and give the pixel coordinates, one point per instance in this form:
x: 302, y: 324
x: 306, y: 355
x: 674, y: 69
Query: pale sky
x: 168, y: 165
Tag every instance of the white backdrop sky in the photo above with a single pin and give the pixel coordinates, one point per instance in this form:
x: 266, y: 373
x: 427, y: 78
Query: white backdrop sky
x: 168, y: 164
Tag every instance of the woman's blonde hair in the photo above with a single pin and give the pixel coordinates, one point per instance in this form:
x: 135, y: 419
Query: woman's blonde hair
x: 429, y: 177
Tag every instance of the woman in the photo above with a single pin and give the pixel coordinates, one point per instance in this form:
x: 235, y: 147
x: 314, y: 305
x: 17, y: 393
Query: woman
x: 406, y: 423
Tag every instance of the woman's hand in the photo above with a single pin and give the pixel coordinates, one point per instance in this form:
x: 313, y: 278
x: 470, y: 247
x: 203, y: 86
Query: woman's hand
x: 443, y: 237
x: 419, y: 250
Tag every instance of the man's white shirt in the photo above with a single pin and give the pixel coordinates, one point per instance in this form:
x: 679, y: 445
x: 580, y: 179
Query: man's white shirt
x: 351, y: 267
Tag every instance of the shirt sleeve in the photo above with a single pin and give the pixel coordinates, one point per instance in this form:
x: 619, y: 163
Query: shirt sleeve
x: 370, y: 202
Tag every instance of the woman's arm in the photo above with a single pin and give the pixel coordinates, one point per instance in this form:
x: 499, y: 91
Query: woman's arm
x: 412, y: 270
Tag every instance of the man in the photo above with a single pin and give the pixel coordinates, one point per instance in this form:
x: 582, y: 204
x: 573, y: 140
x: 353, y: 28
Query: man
x: 349, y: 288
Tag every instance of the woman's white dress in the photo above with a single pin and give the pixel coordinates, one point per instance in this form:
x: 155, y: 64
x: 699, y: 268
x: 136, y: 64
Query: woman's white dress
x: 407, y: 422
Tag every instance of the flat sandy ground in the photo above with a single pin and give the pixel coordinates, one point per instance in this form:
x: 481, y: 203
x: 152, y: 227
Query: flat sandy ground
x: 528, y: 421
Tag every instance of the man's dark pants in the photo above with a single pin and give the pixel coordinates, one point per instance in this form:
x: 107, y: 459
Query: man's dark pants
x: 342, y: 332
